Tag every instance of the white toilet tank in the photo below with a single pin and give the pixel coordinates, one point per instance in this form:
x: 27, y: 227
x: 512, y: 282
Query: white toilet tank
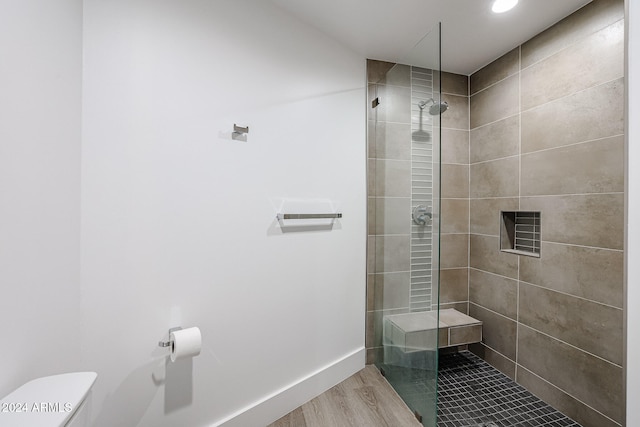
x: 55, y: 401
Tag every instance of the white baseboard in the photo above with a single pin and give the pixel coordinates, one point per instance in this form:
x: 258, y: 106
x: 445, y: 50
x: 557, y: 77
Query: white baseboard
x: 281, y: 402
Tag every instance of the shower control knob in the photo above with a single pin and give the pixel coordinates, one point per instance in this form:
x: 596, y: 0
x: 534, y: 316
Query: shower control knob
x: 421, y: 216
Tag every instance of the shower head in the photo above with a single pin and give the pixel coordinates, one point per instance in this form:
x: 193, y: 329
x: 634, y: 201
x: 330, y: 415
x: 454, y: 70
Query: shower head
x: 436, y: 108
x: 440, y: 108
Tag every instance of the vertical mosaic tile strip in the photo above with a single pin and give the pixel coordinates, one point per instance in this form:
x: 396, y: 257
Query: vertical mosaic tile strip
x: 421, y: 187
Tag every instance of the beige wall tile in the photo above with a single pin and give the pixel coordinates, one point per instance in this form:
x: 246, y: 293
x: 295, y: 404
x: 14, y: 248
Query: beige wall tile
x: 392, y: 141
x: 485, y: 214
x: 594, y: 113
x: 369, y: 336
x: 398, y: 75
x: 388, y: 73
x: 496, y: 293
x: 455, y: 146
x: 496, y: 178
x: 591, y: 273
x: 485, y: 254
x: 392, y: 178
x: 392, y: 253
x: 495, y: 103
x: 590, y: 220
x: 498, y: 332
x: 591, y: 18
x: 371, y: 177
x: 600, y: 169
x: 454, y: 250
x: 371, y: 254
x: 455, y: 216
x: 573, y: 106
x: 373, y: 335
x: 495, y: 140
x: 495, y: 359
x: 372, y: 93
x: 457, y: 115
x: 592, y: 380
x: 505, y: 66
x: 395, y: 104
x: 454, y: 285
x: 370, y: 291
x: 371, y: 215
x: 457, y: 84
x: 377, y: 70
x: 375, y: 355
x: 391, y: 290
x: 596, y: 59
x: 560, y: 400
x: 455, y: 181
x: 391, y: 215
x: 590, y: 326
x: 371, y: 139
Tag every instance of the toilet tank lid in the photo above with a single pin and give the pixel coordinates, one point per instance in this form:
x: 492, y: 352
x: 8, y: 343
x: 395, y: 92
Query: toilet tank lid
x: 47, y: 401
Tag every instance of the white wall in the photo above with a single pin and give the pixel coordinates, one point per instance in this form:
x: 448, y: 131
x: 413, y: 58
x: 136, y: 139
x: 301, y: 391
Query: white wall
x: 633, y: 214
x: 40, y: 114
x: 178, y: 223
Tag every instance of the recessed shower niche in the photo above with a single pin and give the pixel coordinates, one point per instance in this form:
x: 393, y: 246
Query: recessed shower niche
x: 520, y: 232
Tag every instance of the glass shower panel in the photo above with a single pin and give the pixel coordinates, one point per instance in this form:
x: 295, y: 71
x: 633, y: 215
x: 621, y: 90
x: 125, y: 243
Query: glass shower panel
x: 404, y: 211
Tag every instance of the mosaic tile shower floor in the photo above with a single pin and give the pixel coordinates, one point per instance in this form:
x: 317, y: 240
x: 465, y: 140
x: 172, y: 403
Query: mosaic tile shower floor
x: 471, y: 393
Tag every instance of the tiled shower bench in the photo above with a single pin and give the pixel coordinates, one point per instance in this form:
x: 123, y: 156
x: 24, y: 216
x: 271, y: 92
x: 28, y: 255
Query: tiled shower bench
x: 406, y: 337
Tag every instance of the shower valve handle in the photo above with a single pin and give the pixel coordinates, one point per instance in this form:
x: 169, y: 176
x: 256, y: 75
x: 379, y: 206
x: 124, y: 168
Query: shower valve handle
x: 421, y: 216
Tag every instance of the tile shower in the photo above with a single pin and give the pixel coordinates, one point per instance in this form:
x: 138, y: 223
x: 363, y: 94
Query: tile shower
x: 539, y: 129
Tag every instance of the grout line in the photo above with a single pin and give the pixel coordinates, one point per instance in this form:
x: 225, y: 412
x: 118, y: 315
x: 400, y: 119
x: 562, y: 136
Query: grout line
x: 493, y: 198
x: 454, y: 164
x: 495, y: 160
x: 573, y: 144
x: 493, y: 122
x: 454, y: 302
x: 571, y: 295
x: 519, y: 196
x: 485, y: 235
x: 573, y: 43
x: 391, y: 160
x: 448, y: 128
x: 494, y: 83
x: 494, y: 312
x: 573, y: 194
x: 520, y: 69
x: 582, y: 246
x: 452, y: 94
x: 493, y: 274
x: 572, y: 346
x: 453, y: 268
x: 496, y: 351
x: 391, y: 272
x: 574, y: 93
x: 390, y: 197
x: 565, y: 392
x: 469, y: 192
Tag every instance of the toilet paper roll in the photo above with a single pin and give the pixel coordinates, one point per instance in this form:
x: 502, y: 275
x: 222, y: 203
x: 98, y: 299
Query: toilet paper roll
x: 186, y: 343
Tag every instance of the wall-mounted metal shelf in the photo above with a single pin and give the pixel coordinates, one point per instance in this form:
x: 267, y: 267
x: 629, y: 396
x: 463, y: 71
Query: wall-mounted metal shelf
x: 282, y: 216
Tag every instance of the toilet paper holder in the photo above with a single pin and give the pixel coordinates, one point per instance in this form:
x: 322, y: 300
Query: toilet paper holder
x: 169, y: 343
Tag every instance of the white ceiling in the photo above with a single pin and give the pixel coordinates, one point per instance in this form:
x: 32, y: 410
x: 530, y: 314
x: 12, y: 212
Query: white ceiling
x: 472, y: 35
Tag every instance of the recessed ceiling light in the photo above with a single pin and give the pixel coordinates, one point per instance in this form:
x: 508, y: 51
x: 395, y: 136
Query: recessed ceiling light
x: 500, y: 6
